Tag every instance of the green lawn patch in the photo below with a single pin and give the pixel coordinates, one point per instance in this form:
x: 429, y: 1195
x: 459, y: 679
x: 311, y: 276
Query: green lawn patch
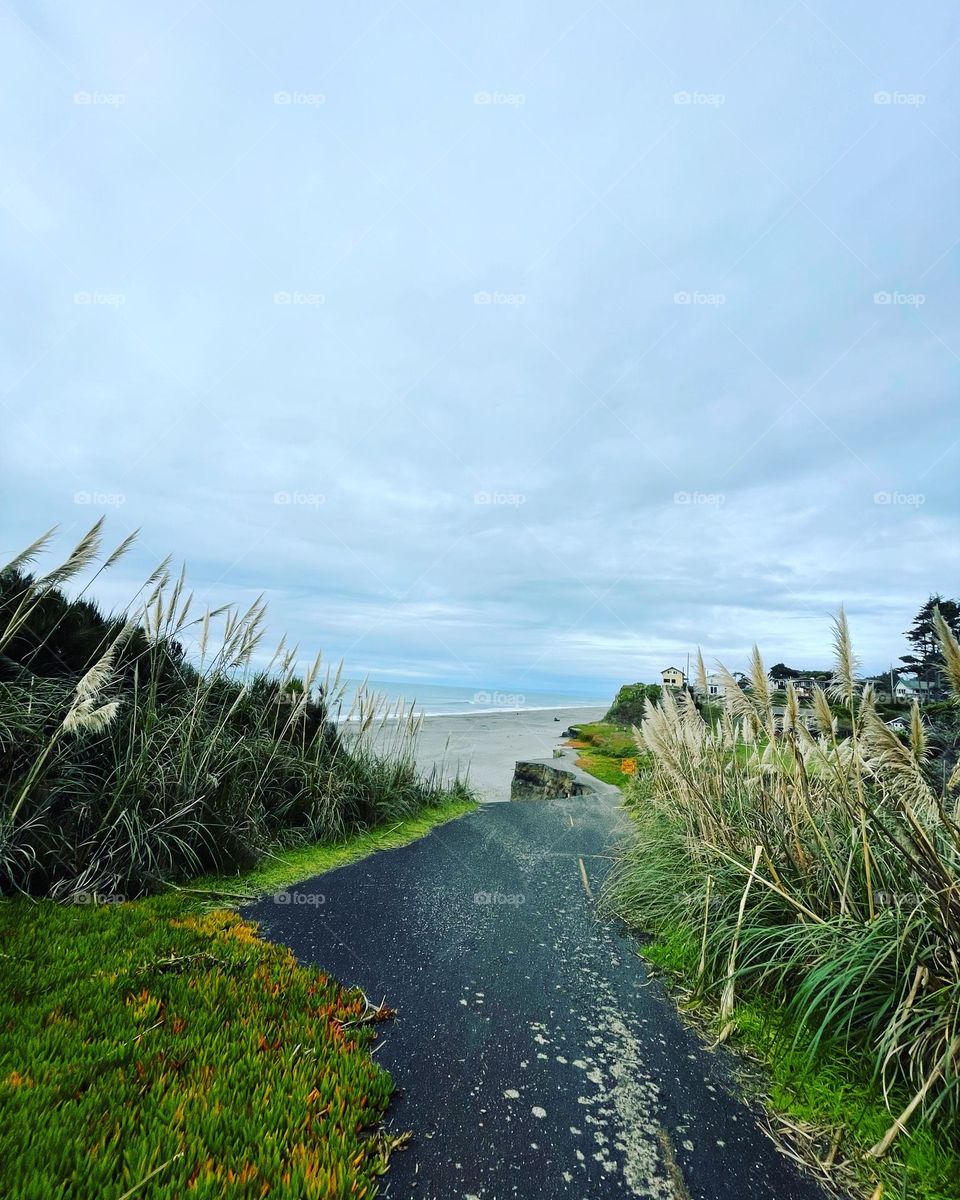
x: 606, y: 750
x: 155, y: 1049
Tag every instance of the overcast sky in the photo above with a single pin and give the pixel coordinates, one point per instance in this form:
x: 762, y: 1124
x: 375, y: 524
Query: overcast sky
x: 525, y: 345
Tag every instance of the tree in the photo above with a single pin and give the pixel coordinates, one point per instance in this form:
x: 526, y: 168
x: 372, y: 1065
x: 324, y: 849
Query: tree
x: 627, y: 708
x: 925, y: 659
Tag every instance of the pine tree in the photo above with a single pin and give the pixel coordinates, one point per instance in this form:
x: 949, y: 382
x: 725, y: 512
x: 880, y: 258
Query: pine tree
x: 925, y: 659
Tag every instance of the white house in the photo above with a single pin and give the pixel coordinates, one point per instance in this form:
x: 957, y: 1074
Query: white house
x: 716, y: 688
x: 673, y: 677
x: 803, y: 687
x: 899, y: 725
x: 908, y: 690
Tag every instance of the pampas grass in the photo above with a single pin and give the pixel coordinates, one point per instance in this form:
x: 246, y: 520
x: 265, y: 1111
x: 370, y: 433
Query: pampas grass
x: 149, y: 764
x: 822, y: 872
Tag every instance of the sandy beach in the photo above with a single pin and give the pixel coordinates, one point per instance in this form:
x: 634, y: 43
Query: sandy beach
x: 488, y: 744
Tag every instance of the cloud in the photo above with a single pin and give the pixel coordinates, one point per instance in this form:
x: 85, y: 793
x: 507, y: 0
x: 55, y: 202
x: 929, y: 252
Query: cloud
x: 543, y: 390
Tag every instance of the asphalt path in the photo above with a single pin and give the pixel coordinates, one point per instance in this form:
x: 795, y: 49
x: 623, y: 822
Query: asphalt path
x: 533, y: 1052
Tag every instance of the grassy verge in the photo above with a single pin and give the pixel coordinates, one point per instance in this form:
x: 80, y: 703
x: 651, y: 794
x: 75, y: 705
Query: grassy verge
x: 608, y: 752
x: 157, y: 1050
x: 286, y: 867
x: 832, y: 1101
x: 803, y: 883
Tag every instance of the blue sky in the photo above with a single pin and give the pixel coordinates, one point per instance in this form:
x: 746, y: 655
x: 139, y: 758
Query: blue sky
x: 523, y: 345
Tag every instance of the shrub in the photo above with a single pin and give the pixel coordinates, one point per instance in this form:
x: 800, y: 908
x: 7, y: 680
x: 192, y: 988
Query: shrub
x: 124, y: 763
x: 821, y: 872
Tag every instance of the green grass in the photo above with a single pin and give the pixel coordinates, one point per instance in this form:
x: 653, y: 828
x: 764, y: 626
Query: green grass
x: 603, y: 747
x: 824, y: 1093
x: 158, y: 1050
x: 285, y: 867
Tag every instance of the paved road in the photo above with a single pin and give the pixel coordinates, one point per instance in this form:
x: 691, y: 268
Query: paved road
x: 534, y: 1054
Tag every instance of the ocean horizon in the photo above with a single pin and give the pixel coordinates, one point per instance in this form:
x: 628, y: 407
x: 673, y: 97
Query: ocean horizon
x: 438, y: 700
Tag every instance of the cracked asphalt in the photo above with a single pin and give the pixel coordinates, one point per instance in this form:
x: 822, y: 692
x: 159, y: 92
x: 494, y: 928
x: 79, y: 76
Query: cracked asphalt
x: 533, y: 1052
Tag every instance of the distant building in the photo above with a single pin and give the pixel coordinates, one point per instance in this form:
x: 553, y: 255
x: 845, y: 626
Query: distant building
x: 898, y: 725
x: 673, y: 677
x: 802, y: 686
x: 716, y: 688
x: 908, y: 690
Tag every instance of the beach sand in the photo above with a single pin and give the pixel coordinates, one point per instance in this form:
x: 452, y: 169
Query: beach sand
x: 488, y: 744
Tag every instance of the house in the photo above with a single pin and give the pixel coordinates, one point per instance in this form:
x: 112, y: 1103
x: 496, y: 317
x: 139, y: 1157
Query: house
x: 801, y: 685
x: 673, y: 677
x: 908, y: 690
x: 716, y: 688
x: 898, y: 725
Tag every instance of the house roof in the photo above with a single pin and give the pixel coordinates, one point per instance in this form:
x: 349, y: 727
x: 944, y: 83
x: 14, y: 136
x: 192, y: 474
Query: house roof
x: 667, y: 670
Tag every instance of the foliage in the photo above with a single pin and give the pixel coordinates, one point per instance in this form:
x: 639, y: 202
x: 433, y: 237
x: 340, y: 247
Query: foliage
x: 628, y: 706
x: 924, y: 659
x: 163, y: 1053
x: 819, y: 873
x: 123, y: 764
x: 283, y: 867
x: 781, y: 671
x: 607, y: 752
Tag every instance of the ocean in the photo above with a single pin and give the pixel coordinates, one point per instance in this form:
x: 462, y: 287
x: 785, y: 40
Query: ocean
x: 436, y: 700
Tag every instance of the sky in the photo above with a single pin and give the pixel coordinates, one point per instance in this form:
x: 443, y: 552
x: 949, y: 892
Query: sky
x: 527, y: 345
